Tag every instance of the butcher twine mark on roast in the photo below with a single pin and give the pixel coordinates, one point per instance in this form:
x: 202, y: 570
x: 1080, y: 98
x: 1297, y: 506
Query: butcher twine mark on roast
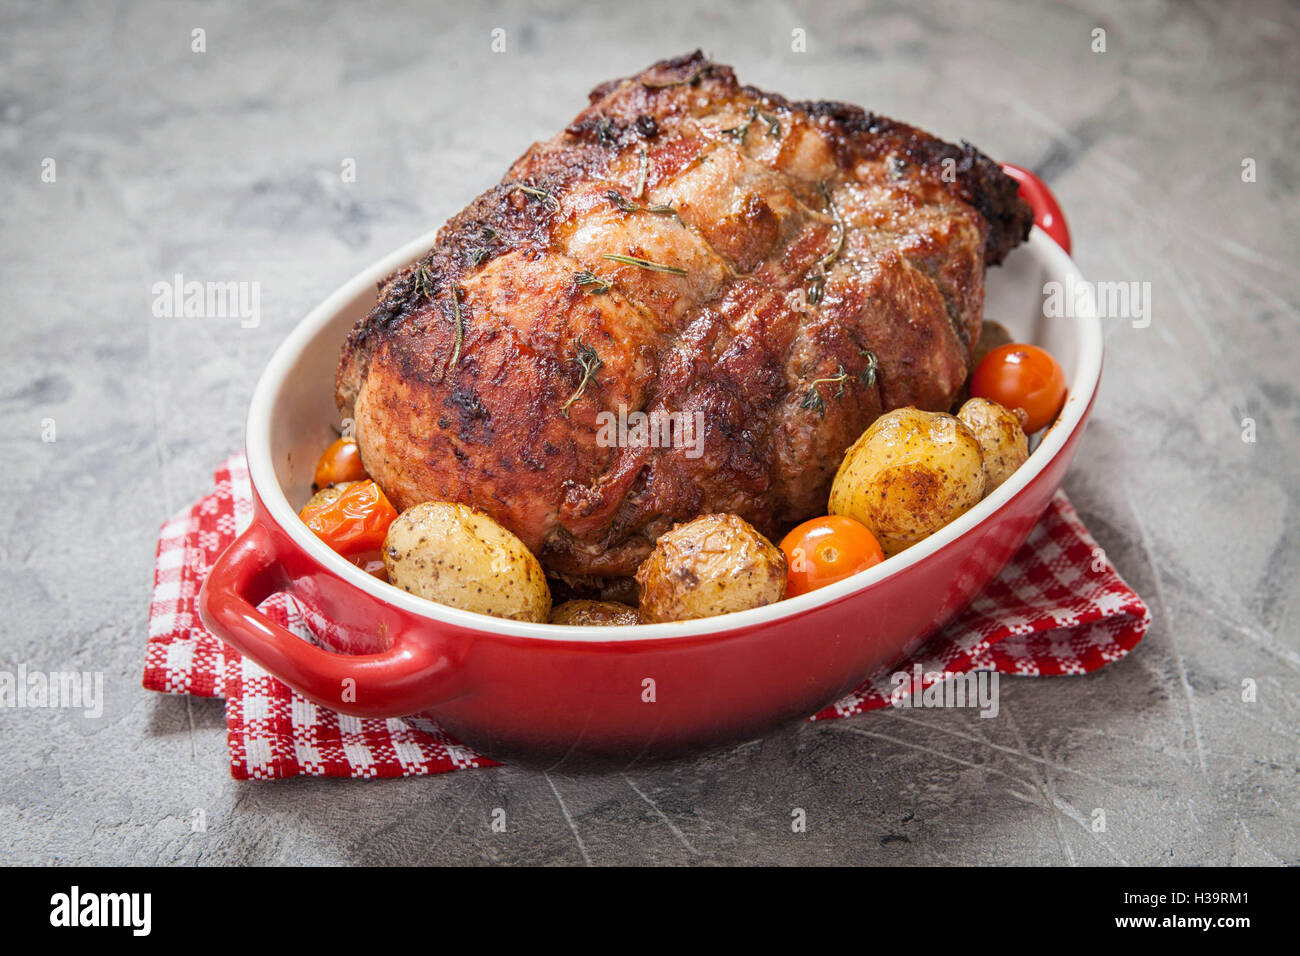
x: 781, y: 272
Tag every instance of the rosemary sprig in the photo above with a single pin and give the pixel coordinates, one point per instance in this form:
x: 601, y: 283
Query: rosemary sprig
x: 460, y: 328
x: 813, y: 399
x: 593, y: 283
x: 818, y: 286
x: 645, y: 264
x: 663, y: 209
x: 550, y: 201
x: 643, y: 166
x: 586, y: 357
x: 691, y: 80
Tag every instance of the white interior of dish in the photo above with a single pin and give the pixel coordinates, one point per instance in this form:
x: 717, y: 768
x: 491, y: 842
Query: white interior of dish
x: 292, y: 419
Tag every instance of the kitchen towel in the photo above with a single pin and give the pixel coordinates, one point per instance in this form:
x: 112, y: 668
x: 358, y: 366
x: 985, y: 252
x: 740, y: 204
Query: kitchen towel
x: 1059, y: 607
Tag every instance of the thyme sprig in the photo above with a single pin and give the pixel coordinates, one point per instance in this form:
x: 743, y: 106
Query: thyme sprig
x: 868, y: 374
x: 812, y: 399
x: 818, y: 286
x: 645, y: 264
x: 590, y: 362
x: 426, y: 286
x: 479, y: 253
x: 663, y: 209
x: 738, y: 133
x: 593, y: 283
x: 550, y: 201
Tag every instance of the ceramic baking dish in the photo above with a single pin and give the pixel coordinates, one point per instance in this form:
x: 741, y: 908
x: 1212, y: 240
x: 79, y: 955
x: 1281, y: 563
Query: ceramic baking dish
x: 509, y: 688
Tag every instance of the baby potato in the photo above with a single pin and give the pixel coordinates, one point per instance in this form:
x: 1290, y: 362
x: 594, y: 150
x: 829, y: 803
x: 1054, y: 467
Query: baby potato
x: 327, y: 495
x: 1002, y: 440
x: 713, y: 565
x: 455, y: 555
x: 908, y: 475
x: 594, y: 613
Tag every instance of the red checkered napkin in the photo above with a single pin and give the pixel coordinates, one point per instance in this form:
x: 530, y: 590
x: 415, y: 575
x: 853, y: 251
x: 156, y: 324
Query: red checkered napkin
x: 1059, y: 607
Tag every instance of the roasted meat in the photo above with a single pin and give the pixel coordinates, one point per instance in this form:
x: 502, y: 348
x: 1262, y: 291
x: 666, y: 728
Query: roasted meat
x: 774, y: 274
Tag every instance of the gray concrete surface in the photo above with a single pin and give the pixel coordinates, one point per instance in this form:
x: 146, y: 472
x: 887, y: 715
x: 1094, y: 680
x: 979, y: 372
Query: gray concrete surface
x: 225, y: 165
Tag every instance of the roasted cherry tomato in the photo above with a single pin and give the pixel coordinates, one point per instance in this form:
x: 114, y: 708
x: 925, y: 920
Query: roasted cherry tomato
x: 356, y: 521
x: 1025, y: 379
x: 828, y: 549
x: 341, y: 462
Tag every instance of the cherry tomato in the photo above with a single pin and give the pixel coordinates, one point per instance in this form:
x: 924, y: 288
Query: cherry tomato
x: 340, y: 462
x: 828, y: 549
x: 1024, y: 379
x: 355, y: 521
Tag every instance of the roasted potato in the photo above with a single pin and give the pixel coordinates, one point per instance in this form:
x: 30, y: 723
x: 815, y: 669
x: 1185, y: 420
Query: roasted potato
x: 326, y: 495
x: 1002, y: 441
x: 713, y: 565
x: 908, y: 475
x: 455, y: 555
x: 593, y: 613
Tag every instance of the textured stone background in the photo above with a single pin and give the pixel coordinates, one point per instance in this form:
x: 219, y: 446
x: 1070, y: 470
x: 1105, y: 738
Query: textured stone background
x: 225, y: 166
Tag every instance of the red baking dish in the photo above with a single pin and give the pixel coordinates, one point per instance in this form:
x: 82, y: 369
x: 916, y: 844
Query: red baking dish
x: 510, y: 688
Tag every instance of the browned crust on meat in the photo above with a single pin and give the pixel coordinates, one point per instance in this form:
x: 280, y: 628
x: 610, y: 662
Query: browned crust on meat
x: 491, y: 430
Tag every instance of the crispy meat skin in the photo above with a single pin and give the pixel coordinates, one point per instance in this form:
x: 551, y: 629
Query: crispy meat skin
x: 772, y: 202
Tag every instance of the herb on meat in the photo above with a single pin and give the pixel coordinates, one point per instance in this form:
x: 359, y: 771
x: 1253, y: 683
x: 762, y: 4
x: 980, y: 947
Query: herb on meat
x: 818, y: 286
x: 643, y: 165
x: 479, y: 253
x: 645, y: 264
x: 593, y: 283
x: 590, y: 362
x: 665, y: 209
x: 426, y: 286
x: 868, y: 374
x: 460, y: 327
x: 738, y: 133
x: 550, y: 201
x: 812, y: 399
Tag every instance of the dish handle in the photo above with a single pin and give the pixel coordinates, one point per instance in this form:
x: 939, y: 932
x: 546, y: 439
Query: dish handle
x: 1047, y: 211
x: 407, y: 678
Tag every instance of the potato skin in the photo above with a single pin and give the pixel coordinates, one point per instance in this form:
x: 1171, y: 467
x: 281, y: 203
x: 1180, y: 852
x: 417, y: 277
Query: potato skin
x: 1002, y: 441
x: 454, y: 555
x: 584, y: 613
x: 908, y: 475
x: 326, y: 495
x: 715, y: 564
